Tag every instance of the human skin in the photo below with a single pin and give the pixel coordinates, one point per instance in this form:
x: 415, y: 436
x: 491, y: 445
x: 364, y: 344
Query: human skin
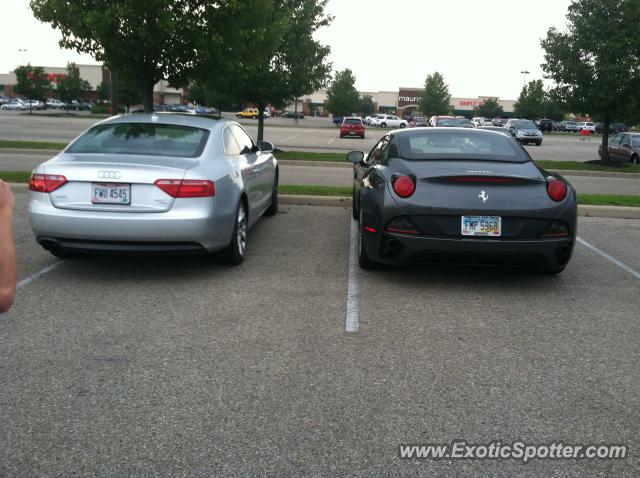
x: 8, y: 260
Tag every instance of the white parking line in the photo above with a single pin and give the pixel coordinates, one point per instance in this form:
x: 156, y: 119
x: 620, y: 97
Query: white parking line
x: 620, y: 264
x: 353, y: 293
x: 28, y: 280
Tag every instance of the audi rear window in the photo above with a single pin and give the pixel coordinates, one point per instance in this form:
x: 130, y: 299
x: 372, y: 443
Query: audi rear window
x: 460, y: 144
x: 142, y: 139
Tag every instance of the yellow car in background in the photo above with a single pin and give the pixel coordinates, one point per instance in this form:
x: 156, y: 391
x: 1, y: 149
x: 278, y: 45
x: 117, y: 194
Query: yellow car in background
x: 252, y: 113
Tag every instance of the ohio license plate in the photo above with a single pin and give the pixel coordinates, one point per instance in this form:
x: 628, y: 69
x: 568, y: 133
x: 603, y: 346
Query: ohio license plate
x: 481, y: 225
x: 110, y: 193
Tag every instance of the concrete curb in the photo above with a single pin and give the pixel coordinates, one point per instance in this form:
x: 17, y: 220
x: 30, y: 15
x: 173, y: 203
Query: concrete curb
x: 319, y: 164
x: 337, y: 201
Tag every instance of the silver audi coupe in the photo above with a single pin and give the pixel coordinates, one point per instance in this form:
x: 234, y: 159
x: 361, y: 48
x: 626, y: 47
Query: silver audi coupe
x: 156, y: 183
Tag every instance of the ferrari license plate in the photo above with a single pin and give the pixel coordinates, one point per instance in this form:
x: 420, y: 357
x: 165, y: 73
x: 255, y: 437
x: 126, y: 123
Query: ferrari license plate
x: 110, y: 193
x: 481, y: 226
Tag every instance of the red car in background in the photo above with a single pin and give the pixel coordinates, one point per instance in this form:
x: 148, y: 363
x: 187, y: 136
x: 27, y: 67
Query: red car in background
x: 419, y: 122
x: 352, y: 126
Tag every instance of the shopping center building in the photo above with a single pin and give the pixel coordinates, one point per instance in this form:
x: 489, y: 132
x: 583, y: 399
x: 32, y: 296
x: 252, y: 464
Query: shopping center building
x: 401, y: 102
x: 94, y: 74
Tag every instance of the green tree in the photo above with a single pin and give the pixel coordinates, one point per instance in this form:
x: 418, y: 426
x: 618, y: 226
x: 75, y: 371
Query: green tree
x: 342, y: 96
x: 146, y: 40
x: 32, y: 82
x: 103, y: 90
x: 595, y: 63
x: 532, y: 101
x: 490, y: 108
x: 436, y: 99
x: 367, y: 108
x: 272, y: 57
x: 71, y: 86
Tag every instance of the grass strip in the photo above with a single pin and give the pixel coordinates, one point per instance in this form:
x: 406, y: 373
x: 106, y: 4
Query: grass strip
x: 575, y: 166
x: 609, y: 200
x: 45, y: 145
x: 305, y: 190
x: 312, y: 156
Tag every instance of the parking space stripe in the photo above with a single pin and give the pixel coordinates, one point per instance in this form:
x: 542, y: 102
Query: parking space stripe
x: 620, y: 264
x: 353, y: 293
x: 28, y: 280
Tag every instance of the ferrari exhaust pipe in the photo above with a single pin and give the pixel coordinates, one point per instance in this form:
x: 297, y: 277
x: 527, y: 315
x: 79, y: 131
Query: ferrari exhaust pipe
x: 392, y: 247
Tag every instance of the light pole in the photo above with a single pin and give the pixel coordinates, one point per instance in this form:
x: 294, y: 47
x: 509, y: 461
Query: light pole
x: 524, y: 77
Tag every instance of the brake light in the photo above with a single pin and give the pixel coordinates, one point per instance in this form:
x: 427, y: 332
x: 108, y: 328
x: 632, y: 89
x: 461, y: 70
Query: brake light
x: 46, y: 183
x: 404, y: 186
x: 557, y: 190
x: 187, y: 188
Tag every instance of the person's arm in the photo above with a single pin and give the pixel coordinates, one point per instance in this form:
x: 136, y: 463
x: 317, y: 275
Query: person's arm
x: 8, y: 261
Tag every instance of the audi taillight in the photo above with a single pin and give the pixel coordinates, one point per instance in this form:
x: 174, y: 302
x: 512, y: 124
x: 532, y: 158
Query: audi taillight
x: 46, y: 183
x: 557, y: 190
x: 187, y: 188
x: 404, y: 186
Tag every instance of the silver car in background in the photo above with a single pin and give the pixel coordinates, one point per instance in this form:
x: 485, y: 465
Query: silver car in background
x: 154, y: 183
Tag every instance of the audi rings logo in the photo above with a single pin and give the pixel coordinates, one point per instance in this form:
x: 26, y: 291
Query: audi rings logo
x: 109, y: 174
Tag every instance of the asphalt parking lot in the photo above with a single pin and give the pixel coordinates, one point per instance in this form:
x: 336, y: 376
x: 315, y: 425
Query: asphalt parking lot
x: 183, y: 367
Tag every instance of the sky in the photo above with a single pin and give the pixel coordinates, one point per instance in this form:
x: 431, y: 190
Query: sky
x: 480, y: 46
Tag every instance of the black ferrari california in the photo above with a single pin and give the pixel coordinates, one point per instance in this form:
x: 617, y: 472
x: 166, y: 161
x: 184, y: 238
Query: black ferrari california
x: 460, y: 196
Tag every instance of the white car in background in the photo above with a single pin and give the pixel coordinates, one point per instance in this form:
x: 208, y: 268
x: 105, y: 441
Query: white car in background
x: 587, y: 126
x: 55, y: 104
x: 389, y: 121
x: 372, y: 119
x: 15, y: 105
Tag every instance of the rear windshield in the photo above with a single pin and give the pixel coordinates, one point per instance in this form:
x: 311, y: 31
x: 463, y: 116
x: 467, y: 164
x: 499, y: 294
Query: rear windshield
x: 142, y: 138
x: 460, y: 144
x: 448, y: 122
x: 352, y: 121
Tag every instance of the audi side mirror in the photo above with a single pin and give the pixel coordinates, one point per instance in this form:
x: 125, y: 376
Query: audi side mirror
x: 355, y: 157
x: 266, y: 147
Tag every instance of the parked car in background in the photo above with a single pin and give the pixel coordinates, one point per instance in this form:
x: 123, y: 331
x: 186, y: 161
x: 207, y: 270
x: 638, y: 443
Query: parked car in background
x: 390, y: 121
x: 352, y: 126
x: 557, y: 126
x: 624, y: 147
x: 418, y: 122
x: 476, y: 120
x: 375, y: 118
x: 545, y: 124
x: 293, y: 114
x: 571, y: 126
x: 169, y: 183
x: 466, y: 123
x: 587, y: 126
x: 524, y: 131
x: 613, y: 128
x: 79, y: 105
x: 15, y: 105
x: 55, y: 104
x: 252, y: 113
x: 337, y: 120
x: 445, y: 121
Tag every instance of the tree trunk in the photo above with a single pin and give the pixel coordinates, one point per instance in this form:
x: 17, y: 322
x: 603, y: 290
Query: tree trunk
x: 605, y: 140
x: 114, y: 93
x: 295, y: 111
x: 261, y: 108
x: 148, y: 94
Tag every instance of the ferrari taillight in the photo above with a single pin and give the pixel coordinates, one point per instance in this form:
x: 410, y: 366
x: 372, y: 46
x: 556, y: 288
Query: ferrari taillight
x: 557, y: 190
x: 404, y: 186
x: 46, y: 183
x: 187, y: 188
